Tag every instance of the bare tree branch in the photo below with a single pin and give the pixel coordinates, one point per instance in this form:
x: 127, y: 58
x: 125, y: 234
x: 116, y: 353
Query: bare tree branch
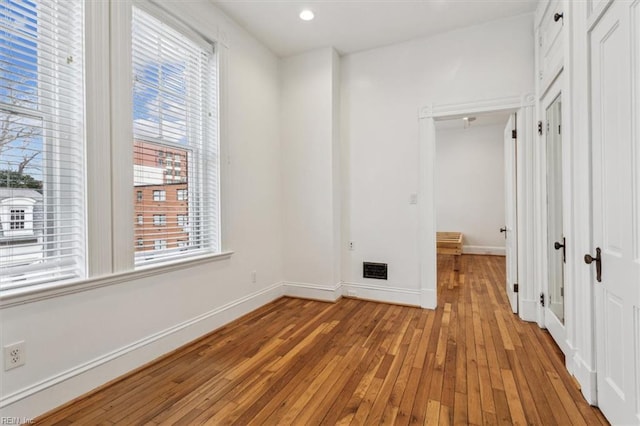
x: 17, y: 131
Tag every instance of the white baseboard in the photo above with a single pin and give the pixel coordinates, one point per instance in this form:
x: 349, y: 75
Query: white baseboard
x: 312, y: 291
x: 487, y: 250
x: 528, y: 310
x: 586, y: 376
x: 429, y: 298
x: 50, y: 393
x: 379, y: 293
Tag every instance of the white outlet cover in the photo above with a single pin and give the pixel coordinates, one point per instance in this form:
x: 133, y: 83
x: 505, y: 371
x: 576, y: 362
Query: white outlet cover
x: 14, y: 355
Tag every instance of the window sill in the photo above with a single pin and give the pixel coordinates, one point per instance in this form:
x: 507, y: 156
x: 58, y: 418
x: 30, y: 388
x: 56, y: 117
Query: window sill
x: 19, y: 296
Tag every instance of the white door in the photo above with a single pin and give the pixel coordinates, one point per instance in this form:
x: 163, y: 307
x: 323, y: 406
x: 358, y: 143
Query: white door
x: 615, y: 136
x: 511, y: 221
x: 556, y: 245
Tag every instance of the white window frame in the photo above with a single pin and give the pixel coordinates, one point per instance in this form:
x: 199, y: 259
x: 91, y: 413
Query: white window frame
x: 209, y: 198
x: 159, y: 245
x: 160, y: 219
x: 62, y: 248
x: 159, y: 195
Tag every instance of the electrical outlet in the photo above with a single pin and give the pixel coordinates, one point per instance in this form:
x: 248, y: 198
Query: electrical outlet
x: 254, y: 277
x: 351, y: 245
x: 14, y: 355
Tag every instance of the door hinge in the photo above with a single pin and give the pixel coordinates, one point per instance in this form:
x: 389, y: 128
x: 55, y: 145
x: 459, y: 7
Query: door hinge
x: 562, y: 291
x: 514, y: 134
x: 547, y: 127
x: 515, y: 288
x: 540, y: 128
x: 559, y: 131
x: 542, y: 299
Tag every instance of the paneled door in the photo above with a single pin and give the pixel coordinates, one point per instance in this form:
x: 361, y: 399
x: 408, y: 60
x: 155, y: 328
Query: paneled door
x: 511, y: 218
x: 615, y: 252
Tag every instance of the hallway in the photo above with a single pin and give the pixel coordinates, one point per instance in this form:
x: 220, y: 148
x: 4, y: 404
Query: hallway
x: 304, y: 362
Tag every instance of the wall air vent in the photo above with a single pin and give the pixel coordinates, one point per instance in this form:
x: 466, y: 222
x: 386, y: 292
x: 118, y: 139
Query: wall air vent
x: 376, y: 271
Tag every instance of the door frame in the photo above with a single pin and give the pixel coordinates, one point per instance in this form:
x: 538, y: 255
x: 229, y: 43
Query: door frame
x: 524, y: 105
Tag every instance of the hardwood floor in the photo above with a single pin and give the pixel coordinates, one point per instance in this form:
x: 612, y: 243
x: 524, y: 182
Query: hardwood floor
x: 303, y: 362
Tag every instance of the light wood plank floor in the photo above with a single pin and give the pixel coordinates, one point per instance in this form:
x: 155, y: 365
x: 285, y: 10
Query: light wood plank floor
x: 356, y: 362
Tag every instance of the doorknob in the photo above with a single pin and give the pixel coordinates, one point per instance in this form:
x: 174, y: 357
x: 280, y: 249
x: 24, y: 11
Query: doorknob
x: 588, y: 259
x: 504, y: 229
x: 559, y: 246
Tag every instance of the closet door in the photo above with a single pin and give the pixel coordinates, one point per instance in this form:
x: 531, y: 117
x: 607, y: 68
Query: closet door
x: 615, y: 252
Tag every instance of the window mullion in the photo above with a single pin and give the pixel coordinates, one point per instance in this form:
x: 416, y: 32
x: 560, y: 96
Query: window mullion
x: 99, y: 226
x: 122, y: 208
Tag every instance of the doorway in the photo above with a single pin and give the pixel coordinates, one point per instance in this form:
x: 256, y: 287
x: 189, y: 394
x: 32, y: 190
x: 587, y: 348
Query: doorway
x: 476, y: 192
x: 524, y: 106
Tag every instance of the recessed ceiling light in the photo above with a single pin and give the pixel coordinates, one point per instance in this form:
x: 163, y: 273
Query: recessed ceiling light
x: 306, y: 15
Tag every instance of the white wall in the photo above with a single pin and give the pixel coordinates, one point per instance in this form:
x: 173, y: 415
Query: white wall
x: 382, y: 90
x: 79, y: 341
x: 310, y: 171
x: 470, y: 185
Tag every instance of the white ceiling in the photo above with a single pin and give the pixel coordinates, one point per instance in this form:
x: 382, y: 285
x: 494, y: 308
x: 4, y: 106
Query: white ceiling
x: 354, y: 25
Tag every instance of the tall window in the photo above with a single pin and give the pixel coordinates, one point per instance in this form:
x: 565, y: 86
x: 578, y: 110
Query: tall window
x: 41, y: 142
x: 175, y: 138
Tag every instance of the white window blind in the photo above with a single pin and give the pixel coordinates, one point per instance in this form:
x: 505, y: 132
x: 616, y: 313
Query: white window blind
x: 175, y: 141
x: 41, y: 142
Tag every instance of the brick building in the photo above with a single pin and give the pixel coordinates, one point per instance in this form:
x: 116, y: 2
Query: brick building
x: 161, y: 197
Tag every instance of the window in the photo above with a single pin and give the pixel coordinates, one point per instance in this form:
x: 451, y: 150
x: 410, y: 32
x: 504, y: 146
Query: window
x: 159, y: 195
x: 159, y: 220
x: 140, y: 242
x: 42, y: 229
x: 175, y: 114
x: 159, y: 244
x: 17, y: 219
x: 139, y: 196
x: 140, y: 220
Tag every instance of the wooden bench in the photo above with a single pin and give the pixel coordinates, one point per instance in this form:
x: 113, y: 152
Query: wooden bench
x: 450, y: 243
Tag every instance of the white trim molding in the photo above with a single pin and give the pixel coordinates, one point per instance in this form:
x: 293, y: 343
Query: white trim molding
x: 478, y: 106
x: 312, y: 291
x: 586, y: 376
x: 528, y: 310
x: 381, y: 293
x: 485, y: 250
